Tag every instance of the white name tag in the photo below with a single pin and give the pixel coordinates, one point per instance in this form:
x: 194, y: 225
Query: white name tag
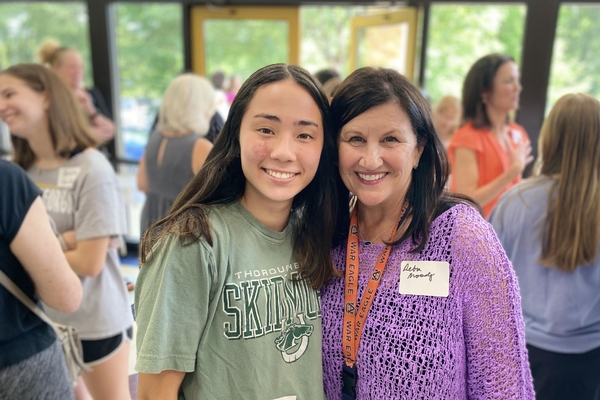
x: 67, y: 176
x: 426, y: 278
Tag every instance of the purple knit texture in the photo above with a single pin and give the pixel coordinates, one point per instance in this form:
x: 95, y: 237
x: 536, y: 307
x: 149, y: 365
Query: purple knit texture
x: 470, y: 345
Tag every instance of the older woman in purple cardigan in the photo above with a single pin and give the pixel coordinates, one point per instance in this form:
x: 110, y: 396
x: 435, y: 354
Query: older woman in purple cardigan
x: 427, y: 305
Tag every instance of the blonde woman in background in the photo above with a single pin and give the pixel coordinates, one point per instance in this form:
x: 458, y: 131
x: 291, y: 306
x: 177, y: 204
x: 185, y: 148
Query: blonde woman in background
x: 550, y: 228
x: 67, y: 63
x: 177, y: 149
x: 446, y: 118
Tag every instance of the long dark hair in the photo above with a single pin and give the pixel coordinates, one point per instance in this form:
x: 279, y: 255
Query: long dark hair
x: 366, y: 88
x: 480, y: 79
x: 221, y: 181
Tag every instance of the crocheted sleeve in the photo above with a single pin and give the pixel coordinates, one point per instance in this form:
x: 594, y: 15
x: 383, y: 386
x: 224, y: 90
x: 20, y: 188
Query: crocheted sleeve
x: 497, y: 364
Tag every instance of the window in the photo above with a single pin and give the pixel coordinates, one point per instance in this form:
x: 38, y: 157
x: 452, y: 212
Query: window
x: 325, y: 37
x: 149, y: 55
x: 576, y: 53
x: 461, y: 34
x: 24, y: 26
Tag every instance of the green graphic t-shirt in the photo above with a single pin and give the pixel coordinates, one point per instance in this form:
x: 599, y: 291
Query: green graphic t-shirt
x: 231, y: 315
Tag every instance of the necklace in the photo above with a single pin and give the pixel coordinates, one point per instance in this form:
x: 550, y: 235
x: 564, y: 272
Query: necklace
x: 370, y: 242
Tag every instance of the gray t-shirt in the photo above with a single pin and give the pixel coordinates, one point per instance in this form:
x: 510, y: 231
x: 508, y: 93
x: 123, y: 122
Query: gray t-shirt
x: 84, y: 195
x: 229, y: 315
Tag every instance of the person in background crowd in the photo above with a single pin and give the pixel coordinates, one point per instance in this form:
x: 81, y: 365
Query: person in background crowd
x: 326, y: 74
x: 446, y: 118
x: 67, y: 63
x: 31, y: 257
x: 216, y: 121
x: 178, y: 148
x: 549, y: 226
x: 488, y: 152
x: 53, y: 142
x: 428, y: 305
x: 234, y: 85
x: 219, y: 83
x: 262, y: 204
x: 331, y: 86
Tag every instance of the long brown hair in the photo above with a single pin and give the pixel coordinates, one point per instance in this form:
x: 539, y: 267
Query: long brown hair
x: 222, y: 181
x: 569, y: 146
x: 68, y: 126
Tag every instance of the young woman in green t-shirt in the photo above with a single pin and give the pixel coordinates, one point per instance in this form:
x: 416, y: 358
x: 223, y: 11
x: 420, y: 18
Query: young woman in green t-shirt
x: 270, y: 173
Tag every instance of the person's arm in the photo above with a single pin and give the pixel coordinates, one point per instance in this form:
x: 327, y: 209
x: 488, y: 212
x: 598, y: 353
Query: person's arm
x: 99, y: 215
x: 89, y: 256
x: 466, y: 172
x: 142, y: 175
x: 493, y: 327
x: 103, y: 127
x: 161, y: 386
x: 38, y: 250
x: 172, y: 303
x: 201, y: 149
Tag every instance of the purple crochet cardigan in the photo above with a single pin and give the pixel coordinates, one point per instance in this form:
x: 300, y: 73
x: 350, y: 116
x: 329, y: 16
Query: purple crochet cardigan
x: 470, y: 345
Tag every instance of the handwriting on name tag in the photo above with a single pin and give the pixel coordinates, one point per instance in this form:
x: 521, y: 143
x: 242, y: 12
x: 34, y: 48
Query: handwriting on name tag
x: 67, y: 176
x: 426, y: 278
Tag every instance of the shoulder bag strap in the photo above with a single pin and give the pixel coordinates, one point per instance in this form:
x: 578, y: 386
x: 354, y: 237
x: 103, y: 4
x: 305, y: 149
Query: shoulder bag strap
x: 22, y: 297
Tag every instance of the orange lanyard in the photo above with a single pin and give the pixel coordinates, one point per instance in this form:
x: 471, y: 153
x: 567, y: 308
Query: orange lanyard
x: 355, y: 317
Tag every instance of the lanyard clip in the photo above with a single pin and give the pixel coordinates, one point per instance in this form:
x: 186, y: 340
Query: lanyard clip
x: 349, y: 378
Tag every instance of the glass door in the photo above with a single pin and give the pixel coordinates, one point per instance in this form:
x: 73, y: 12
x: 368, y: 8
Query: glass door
x: 385, y: 39
x: 239, y: 40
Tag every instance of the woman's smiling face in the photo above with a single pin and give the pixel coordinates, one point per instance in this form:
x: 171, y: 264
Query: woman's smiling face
x: 378, y: 150
x: 281, y: 139
x: 21, y: 108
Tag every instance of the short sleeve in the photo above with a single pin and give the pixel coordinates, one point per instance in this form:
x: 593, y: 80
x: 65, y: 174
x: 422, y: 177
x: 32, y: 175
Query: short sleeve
x: 497, y: 363
x: 172, y: 297
x: 100, y: 206
x: 466, y: 136
x: 17, y: 194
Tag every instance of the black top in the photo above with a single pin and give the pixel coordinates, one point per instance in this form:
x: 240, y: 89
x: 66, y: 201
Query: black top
x: 99, y: 102
x: 216, y: 124
x: 22, y: 333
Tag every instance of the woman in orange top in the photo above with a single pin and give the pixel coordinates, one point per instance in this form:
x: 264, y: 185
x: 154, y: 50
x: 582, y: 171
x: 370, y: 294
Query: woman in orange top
x: 488, y: 153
